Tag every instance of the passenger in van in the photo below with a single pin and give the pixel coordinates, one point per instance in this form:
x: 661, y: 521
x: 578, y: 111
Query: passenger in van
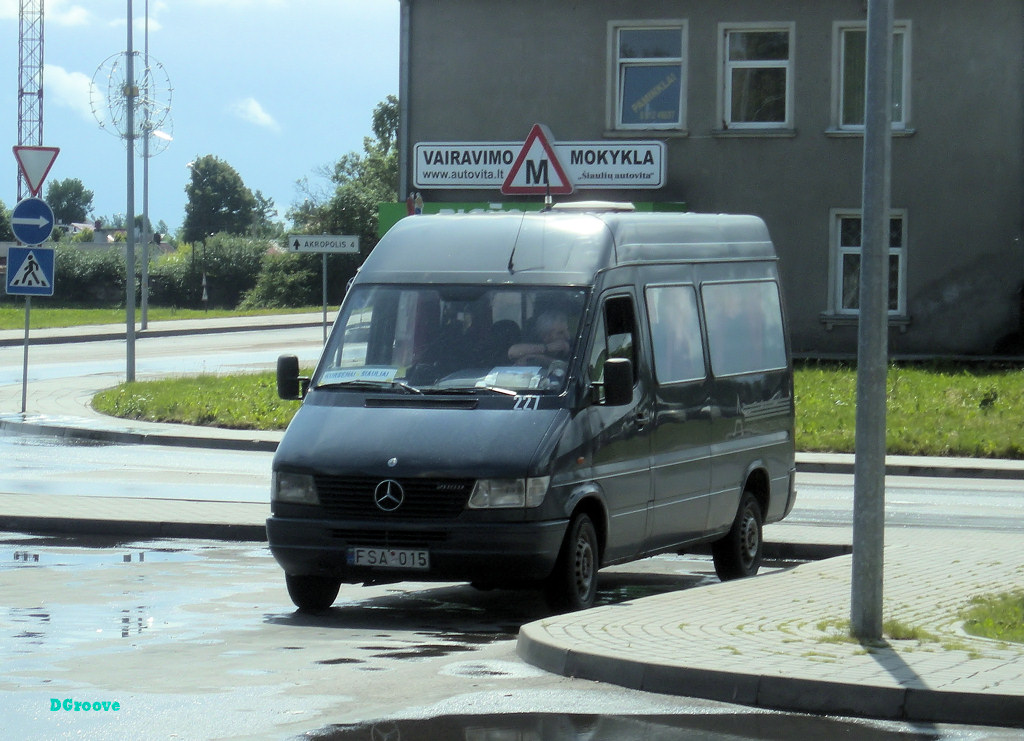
x: 503, y: 335
x: 553, y: 341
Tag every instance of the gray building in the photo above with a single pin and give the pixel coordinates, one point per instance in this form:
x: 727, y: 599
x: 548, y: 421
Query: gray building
x: 749, y: 106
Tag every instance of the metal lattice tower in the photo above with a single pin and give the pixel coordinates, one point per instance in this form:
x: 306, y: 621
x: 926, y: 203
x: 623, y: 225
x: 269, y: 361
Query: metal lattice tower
x: 30, y: 78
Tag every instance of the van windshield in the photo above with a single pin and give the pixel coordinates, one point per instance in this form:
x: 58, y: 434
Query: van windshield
x: 454, y: 339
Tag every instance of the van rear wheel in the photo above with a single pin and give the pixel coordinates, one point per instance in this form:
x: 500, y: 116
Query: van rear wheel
x: 573, y: 583
x: 312, y: 593
x: 738, y: 554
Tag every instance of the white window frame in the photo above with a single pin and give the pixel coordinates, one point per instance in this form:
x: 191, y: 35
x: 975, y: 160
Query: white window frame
x: 839, y: 29
x: 837, y: 252
x: 617, y: 65
x: 726, y: 66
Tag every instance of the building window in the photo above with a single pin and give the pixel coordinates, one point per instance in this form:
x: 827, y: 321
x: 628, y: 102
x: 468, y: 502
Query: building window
x: 846, y: 247
x: 648, y: 79
x: 849, y: 74
x: 757, y: 76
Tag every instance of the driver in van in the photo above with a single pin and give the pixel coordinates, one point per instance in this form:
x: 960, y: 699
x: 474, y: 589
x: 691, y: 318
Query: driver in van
x: 553, y: 343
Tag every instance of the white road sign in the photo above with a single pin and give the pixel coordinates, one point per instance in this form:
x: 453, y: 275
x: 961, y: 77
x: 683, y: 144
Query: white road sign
x: 323, y: 243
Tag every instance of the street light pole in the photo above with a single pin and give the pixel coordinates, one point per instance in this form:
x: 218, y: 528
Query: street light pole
x: 130, y: 93
x: 872, y: 341
x: 147, y: 232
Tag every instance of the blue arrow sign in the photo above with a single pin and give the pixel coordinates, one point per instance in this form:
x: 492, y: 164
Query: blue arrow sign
x: 32, y: 221
x: 30, y: 271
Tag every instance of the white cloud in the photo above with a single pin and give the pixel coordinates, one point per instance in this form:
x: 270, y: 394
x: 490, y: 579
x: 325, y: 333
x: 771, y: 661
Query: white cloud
x: 249, y: 109
x: 62, y: 15
x: 68, y: 89
x: 56, y: 11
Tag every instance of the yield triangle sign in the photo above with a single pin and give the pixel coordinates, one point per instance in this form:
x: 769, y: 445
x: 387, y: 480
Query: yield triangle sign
x: 537, y: 170
x: 35, y: 164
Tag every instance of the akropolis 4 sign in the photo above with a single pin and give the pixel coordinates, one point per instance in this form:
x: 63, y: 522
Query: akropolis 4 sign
x: 539, y: 165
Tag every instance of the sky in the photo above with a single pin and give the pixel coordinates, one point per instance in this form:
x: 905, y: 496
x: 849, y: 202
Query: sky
x: 278, y: 89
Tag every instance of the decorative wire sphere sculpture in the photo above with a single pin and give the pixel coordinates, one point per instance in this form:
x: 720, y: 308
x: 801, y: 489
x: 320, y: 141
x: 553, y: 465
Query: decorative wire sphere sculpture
x: 109, y: 95
x: 159, y: 138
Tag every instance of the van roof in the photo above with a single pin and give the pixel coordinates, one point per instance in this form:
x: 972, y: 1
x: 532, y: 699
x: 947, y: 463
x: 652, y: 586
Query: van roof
x: 555, y: 247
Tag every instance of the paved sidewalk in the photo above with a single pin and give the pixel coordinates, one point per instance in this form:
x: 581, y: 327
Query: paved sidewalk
x: 775, y: 641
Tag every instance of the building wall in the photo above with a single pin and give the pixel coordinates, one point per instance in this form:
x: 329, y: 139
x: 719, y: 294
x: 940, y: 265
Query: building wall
x: 487, y: 70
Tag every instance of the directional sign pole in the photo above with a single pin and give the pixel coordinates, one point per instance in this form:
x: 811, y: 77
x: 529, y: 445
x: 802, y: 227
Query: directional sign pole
x: 324, y: 243
x: 323, y: 271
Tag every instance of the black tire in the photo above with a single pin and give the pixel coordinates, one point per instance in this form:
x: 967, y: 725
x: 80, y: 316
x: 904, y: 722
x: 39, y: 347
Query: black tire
x: 738, y: 554
x: 573, y: 583
x: 312, y: 593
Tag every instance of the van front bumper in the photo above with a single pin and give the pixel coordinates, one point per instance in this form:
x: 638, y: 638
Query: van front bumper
x: 500, y: 553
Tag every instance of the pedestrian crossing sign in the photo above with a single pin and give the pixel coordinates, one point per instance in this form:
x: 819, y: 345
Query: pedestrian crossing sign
x: 30, y: 271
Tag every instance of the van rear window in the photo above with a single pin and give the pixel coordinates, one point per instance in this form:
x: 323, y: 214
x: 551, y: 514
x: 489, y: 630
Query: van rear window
x: 744, y: 324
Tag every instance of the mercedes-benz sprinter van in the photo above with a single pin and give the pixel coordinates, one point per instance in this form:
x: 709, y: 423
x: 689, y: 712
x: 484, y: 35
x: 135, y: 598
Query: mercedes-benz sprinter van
x: 522, y: 399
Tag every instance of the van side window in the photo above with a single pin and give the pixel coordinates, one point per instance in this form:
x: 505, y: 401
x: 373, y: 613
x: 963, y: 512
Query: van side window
x: 614, y: 337
x: 744, y: 327
x: 675, y: 333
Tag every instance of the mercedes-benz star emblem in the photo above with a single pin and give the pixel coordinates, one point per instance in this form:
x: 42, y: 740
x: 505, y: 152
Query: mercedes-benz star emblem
x: 389, y: 495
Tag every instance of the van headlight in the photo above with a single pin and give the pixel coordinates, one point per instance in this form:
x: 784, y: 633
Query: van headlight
x: 508, y: 493
x: 294, y: 488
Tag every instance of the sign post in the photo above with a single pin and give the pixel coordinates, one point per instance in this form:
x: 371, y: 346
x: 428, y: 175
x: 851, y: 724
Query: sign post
x: 324, y: 244
x: 30, y: 272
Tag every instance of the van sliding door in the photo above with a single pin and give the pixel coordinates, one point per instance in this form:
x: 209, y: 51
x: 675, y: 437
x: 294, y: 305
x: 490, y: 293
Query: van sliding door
x: 681, y: 433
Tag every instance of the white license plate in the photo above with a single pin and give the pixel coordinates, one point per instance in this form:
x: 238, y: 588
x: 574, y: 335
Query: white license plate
x: 389, y: 558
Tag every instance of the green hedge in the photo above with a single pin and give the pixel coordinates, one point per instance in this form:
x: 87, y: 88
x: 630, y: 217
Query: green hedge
x: 240, y: 273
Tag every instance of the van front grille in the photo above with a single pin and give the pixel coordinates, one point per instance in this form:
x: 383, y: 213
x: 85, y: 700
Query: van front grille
x: 353, y: 497
x: 391, y: 538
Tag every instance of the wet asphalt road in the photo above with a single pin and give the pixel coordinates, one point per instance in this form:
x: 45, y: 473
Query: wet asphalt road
x: 199, y: 640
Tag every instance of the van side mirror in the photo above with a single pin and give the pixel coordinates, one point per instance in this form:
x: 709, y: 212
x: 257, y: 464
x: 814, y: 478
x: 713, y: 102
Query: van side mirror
x: 618, y: 382
x: 290, y: 385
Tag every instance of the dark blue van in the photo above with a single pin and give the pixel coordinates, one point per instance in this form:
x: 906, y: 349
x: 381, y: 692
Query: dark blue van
x: 522, y: 399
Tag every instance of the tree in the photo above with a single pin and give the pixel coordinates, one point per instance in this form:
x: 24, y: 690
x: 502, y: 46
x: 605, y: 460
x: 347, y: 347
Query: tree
x: 6, y: 234
x: 263, y: 215
x: 70, y: 201
x: 218, y: 201
x: 362, y: 181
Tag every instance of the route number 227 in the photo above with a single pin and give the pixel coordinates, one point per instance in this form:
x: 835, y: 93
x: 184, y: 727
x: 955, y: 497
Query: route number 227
x: 526, y: 402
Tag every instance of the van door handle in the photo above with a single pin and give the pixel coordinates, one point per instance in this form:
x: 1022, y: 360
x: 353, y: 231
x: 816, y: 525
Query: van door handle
x: 641, y: 420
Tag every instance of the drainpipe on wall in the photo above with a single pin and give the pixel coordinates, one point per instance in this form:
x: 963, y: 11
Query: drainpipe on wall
x: 403, y: 101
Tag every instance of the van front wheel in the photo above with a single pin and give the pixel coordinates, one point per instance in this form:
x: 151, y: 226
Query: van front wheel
x: 312, y: 593
x: 738, y: 554
x: 573, y: 583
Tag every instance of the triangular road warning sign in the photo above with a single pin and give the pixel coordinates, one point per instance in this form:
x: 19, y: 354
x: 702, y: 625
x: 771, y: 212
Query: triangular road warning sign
x: 30, y: 274
x: 35, y: 164
x: 537, y: 170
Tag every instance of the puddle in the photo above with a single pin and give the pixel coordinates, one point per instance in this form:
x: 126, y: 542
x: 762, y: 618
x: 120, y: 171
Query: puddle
x: 559, y: 727
x: 20, y: 551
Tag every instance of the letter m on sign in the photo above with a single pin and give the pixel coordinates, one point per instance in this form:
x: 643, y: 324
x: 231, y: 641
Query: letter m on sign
x: 537, y: 170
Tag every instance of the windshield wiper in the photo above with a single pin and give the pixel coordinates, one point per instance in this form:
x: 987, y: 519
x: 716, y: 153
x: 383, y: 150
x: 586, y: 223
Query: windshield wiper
x: 367, y: 383
x: 470, y: 390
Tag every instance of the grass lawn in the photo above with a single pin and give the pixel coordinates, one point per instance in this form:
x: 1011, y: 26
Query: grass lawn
x: 12, y: 316
x: 933, y: 409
